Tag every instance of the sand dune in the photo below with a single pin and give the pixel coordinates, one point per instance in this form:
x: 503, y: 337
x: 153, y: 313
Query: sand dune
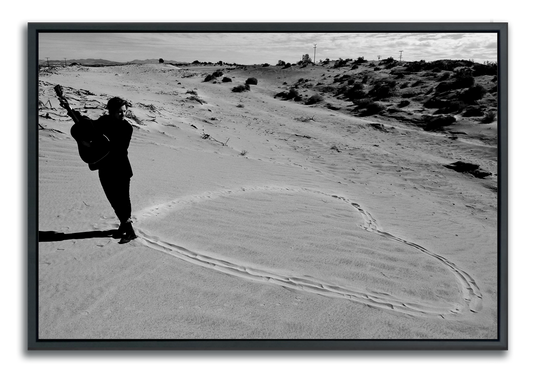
x: 263, y: 218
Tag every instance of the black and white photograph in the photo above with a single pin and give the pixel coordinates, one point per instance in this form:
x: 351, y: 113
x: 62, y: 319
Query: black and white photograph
x: 307, y: 185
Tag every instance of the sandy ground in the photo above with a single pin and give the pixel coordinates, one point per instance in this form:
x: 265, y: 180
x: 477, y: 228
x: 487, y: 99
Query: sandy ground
x: 261, y: 219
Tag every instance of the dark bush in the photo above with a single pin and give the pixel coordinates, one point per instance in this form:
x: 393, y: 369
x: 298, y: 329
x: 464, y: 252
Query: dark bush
x: 292, y: 94
x: 436, y: 123
x: 209, y: 78
x: 226, y: 79
x: 473, y: 111
x: 241, y: 88
x: 463, y: 81
x: 435, y: 103
x: 485, y: 69
x: 372, y: 108
x: 489, y: 117
x: 451, y: 107
x: 382, y: 89
x: 354, y: 93
x: 314, y: 99
x: 472, y: 94
x: 218, y: 73
x: 458, y: 83
x: 251, y: 81
x: 403, y: 103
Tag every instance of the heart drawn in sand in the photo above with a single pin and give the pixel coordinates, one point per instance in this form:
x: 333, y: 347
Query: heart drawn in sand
x: 312, y: 241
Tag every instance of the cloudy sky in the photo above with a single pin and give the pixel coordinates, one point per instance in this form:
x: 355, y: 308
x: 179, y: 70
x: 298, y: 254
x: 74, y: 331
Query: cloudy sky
x: 255, y: 48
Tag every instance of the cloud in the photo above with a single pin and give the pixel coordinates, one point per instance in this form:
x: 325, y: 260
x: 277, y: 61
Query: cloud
x: 250, y: 48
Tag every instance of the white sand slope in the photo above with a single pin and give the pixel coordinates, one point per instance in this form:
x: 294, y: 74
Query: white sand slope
x: 260, y: 218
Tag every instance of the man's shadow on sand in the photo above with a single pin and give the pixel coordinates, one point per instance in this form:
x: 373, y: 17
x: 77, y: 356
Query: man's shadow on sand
x: 53, y: 236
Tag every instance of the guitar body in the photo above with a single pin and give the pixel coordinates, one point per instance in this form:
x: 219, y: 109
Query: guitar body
x: 93, y: 146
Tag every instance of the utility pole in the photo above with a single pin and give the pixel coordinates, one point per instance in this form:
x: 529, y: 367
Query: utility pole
x: 401, y: 55
x: 314, y: 55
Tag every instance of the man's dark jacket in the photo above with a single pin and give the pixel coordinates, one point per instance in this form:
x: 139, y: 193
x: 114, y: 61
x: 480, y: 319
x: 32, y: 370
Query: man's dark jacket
x: 119, y: 134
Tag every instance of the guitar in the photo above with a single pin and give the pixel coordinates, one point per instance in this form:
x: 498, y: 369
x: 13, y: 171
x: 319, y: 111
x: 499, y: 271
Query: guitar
x: 93, y: 146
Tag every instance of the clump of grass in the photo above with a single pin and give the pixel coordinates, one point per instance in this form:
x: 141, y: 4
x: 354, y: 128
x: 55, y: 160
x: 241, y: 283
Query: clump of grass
x: 243, y: 153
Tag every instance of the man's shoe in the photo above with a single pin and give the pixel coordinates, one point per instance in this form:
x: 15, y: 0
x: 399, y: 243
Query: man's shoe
x: 120, y: 231
x: 129, y: 234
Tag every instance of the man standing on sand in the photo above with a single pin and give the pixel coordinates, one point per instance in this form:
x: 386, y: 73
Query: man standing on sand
x: 115, y: 170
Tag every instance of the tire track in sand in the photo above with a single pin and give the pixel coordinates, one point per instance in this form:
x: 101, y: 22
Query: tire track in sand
x: 471, y: 294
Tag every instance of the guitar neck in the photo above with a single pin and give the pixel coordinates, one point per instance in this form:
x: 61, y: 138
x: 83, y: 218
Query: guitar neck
x: 72, y: 115
x: 64, y: 103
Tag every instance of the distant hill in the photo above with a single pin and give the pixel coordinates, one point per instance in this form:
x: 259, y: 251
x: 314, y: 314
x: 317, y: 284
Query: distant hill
x: 100, y: 62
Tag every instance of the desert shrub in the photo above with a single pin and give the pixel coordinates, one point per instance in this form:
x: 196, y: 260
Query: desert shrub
x: 488, y: 68
x: 382, y: 89
x: 403, y: 103
x: 485, y: 69
x: 363, y: 102
x: 458, y: 82
x: 292, y: 94
x: 326, y: 88
x: 451, y: 107
x: 209, y: 78
x: 265, y: 65
x: 218, y: 73
x: 287, y: 65
x: 463, y: 81
x: 341, y: 63
x: 241, y: 88
x: 343, y: 78
x: 436, y: 123
x: 473, y: 111
x: 409, y: 94
x: 372, y: 109
x: 444, y: 76
x: 389, y: 60
x: 226, y: 79
x: 361, y: 59
x: 488, y: 117
x: 472, y: 94
x: 355, y: 92
x: 435, y: 103
x: 416, y: 66
x: 251, y: 81
x: 314, y: 99
x: 281, y: 63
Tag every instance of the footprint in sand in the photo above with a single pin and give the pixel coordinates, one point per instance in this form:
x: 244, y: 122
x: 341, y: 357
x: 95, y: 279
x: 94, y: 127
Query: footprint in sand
x: 342, y: 266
